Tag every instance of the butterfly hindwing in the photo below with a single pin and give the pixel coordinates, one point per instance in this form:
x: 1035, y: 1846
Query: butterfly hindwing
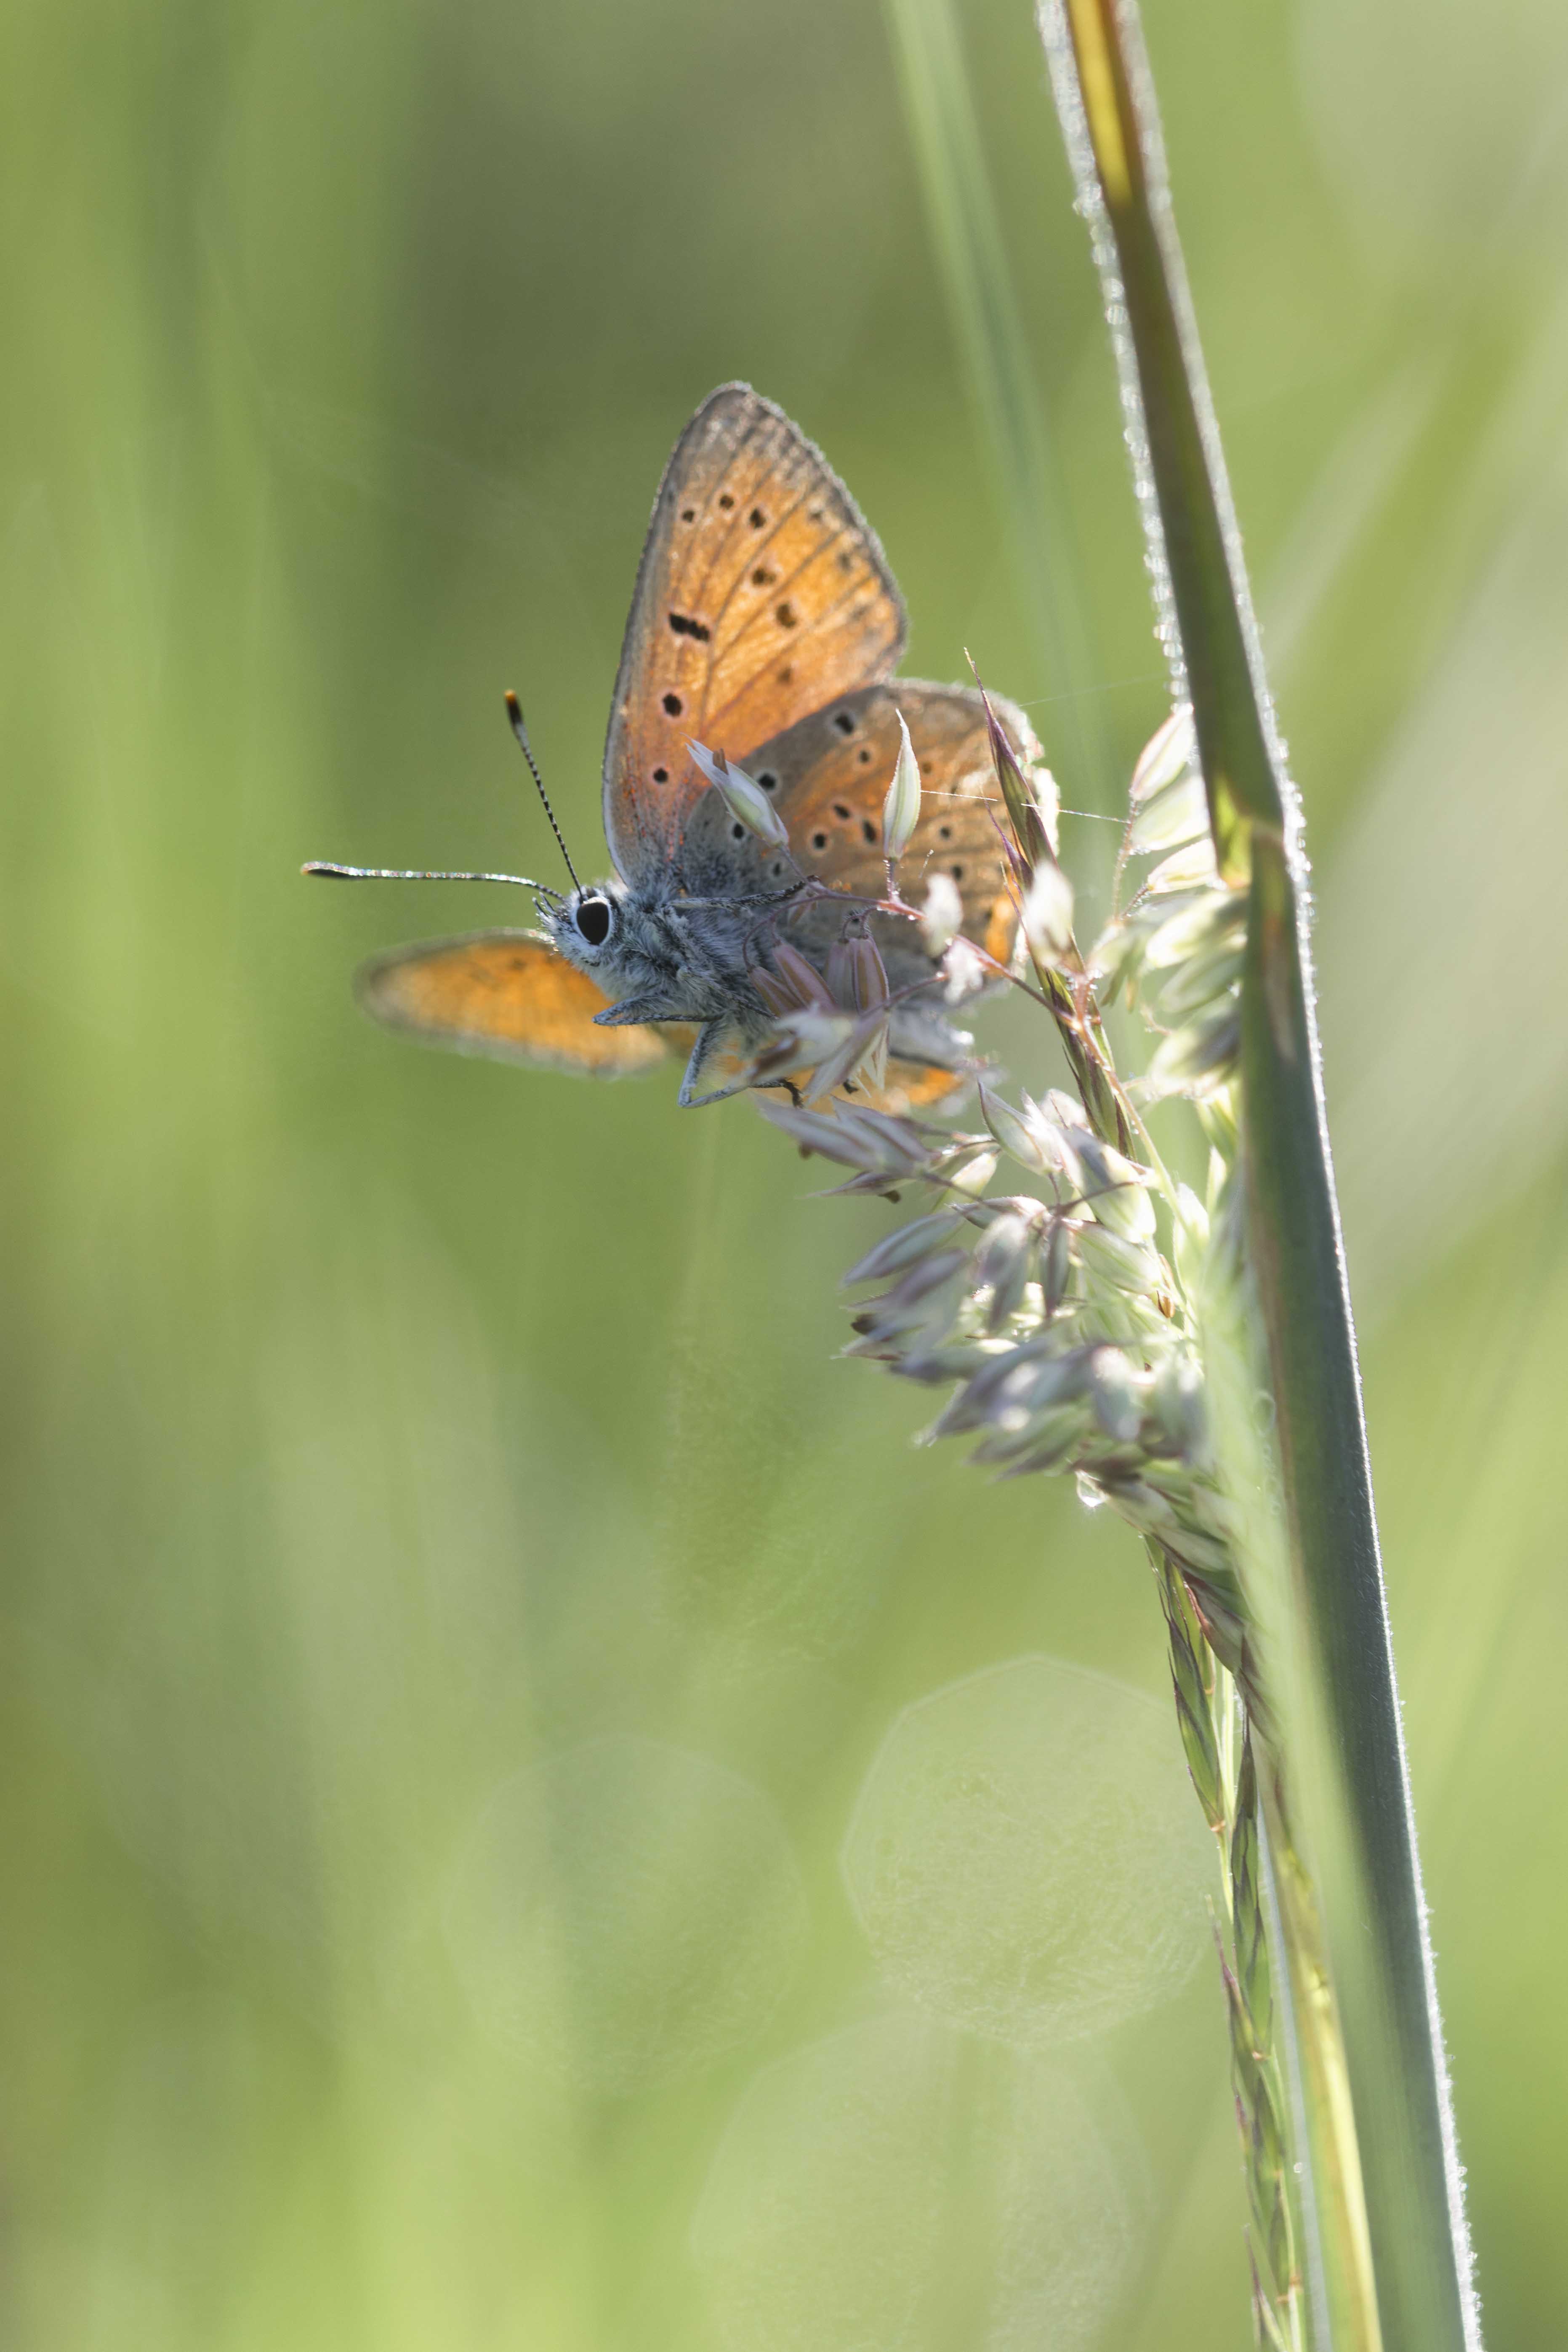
x: 508, y: 994
x: 827, y: 776
x: 762, y: 593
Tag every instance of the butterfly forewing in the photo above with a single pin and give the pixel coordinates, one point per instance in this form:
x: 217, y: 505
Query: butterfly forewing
x: 508, y: 994
x: 762, y: 593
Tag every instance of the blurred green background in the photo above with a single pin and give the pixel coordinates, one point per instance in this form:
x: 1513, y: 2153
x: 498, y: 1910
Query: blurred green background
x: 452, y: 1596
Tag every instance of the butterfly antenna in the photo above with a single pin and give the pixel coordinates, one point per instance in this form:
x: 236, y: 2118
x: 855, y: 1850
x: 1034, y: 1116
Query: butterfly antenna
x: 514, y: 712
x: 335, y: 873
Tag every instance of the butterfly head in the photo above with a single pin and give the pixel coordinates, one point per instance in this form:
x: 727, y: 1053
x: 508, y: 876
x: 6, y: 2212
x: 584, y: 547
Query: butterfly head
x: 659, y: 954
x: 616, y: 937
x: 588, y: 923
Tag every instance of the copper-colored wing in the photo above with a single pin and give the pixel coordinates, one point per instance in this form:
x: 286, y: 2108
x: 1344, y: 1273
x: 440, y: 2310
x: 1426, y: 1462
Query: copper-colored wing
x: 508, y: 994
x: 912, y: 1088
x: 761, y: 595
x: 829, y: 775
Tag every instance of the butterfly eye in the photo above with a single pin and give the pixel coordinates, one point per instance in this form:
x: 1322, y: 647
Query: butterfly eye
x: 594, y: 918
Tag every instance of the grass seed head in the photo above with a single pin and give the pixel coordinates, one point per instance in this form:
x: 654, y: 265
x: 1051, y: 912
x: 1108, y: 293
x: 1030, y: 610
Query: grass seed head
x: 741, y: 795
x: 901, y: 808
x: 942, y: 917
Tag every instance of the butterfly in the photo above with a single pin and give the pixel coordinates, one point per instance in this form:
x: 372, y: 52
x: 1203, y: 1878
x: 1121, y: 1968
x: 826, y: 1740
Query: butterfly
x: 765, y: 619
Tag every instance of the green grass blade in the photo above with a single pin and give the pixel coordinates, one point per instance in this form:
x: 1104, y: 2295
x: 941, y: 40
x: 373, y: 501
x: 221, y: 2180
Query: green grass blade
x: 1342, y: 1723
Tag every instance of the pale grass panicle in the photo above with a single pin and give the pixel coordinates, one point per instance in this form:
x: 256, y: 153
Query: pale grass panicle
x: 1061, y: 1312
x: 1066, y: 1314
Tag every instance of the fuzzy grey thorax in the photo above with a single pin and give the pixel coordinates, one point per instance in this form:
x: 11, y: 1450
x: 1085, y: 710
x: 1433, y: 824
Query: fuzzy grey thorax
x: 661, y: 955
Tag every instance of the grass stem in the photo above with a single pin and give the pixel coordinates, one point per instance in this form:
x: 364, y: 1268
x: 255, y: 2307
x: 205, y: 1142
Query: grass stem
x: 1386, y: 2184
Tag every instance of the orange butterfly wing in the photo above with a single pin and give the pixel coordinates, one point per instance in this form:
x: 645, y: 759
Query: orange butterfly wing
x: 910, y: 1087
x: 508, y: 994
x: 958, y: 832
x: 761, y: 595
x: 827, y: 776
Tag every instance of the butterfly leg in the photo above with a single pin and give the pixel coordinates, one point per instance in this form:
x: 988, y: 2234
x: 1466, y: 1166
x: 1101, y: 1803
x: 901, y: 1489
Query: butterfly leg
x: 631, y: 1012
x: 706, y: 1063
